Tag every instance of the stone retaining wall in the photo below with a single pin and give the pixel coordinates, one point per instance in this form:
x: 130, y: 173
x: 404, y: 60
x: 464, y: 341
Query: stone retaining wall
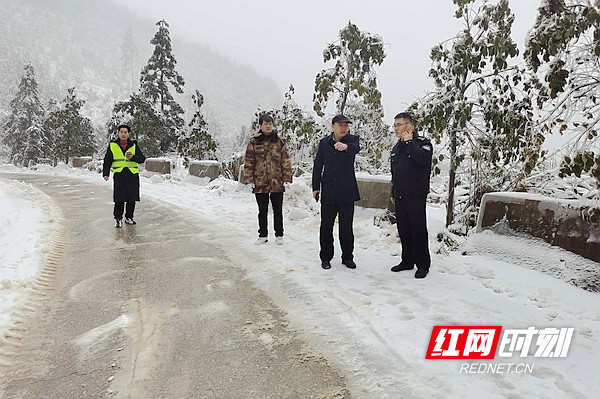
x: 210, y: 169
x: 374, y: 193
x: 159, y: 165
x: 556, y: 222
x: 80, y: 162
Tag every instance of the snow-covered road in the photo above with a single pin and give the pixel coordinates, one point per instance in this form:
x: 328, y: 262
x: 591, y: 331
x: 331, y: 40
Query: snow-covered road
x: 150, y: 311
x: 374, y: 326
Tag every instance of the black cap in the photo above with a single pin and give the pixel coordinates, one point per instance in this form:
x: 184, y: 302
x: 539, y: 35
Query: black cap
x: 340, y: 119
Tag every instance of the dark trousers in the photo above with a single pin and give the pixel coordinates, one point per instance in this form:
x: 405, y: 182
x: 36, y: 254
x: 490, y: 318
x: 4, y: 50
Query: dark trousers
x: 411, y: 220
x: 262, y: 199
x: 120, y: 207
x: 346, y: 234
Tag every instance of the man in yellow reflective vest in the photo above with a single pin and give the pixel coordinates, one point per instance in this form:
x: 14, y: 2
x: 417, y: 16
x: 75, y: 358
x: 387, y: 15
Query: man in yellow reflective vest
x: 123, y: 156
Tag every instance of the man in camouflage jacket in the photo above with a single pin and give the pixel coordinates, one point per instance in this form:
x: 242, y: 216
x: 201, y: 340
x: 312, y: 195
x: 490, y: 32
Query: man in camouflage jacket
x: 267, y: 166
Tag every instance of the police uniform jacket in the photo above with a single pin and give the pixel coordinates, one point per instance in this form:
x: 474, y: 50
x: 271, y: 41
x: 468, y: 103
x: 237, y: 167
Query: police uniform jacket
x: 411, y: 168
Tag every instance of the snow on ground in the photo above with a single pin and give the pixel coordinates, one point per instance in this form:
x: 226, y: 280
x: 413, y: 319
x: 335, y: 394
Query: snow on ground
x: 374, y: 325
x: 28, y: 218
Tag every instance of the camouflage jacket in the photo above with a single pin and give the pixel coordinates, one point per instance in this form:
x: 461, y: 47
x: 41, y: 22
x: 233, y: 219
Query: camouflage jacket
x: 267, y: 163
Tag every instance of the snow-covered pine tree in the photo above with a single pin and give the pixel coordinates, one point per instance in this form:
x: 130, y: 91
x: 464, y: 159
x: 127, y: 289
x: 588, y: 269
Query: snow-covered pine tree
x: 352, y: 82
x: 72, y: 134
x: 155, y: 79
x: 23, y: 132
x: 52, y: 128
x: 197, y: 142
x: 480, y: 108
x: 129, y: 55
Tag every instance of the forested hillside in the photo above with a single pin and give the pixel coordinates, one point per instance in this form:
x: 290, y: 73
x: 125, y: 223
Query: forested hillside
x: 99, y: 48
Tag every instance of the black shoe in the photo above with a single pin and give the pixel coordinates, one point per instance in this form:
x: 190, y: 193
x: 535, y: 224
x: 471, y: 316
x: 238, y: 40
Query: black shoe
x: 421, y: 273
x: 325, y: 264
x: 129, y: 221
x: 400, y: 267
x: 118, y: 223
x: 349, y: 264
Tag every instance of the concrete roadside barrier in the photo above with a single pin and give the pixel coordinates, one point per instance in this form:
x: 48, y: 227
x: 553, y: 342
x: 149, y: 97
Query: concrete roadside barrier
x: 210, y: 169
x: 557, y: 222
x: 159, y: 165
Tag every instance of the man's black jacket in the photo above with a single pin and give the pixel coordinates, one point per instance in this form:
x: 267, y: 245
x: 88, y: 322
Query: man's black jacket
x: 411, y: 168
x: 333, y: 171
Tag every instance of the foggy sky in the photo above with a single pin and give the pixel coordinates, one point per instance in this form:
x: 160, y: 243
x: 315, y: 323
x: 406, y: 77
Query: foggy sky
x: 284, y: 39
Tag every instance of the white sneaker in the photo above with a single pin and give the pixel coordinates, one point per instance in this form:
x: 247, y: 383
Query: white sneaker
x: 261, y: 240
x: 279, y: 240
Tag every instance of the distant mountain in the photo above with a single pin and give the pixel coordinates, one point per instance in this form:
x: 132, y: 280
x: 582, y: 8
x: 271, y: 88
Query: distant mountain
x: 83, y: 43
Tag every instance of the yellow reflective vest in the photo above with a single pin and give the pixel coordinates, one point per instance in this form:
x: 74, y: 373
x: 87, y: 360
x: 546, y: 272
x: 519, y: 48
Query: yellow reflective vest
x: 119, y: 160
